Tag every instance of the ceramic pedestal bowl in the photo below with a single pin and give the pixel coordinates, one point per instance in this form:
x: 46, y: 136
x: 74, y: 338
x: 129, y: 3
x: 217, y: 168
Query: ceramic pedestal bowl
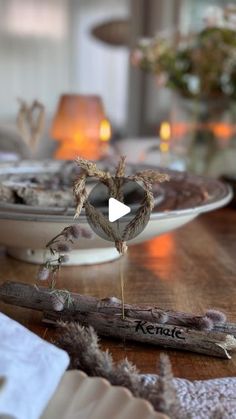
x: 27, y: 227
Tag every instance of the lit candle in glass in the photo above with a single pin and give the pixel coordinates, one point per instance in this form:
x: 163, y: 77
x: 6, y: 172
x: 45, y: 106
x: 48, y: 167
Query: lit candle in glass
x: 165, y: 135
x: 79, y: 127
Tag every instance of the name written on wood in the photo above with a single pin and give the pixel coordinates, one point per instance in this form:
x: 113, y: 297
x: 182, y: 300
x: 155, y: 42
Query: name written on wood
x: 148, y: 328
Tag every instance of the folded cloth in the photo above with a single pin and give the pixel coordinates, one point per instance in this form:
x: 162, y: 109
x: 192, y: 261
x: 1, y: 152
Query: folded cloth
x: 30, y: 370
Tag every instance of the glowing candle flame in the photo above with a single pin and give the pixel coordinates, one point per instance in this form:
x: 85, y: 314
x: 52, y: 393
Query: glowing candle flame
x: 105, y: 130
x: 165, y: 131
x: 165, y: 134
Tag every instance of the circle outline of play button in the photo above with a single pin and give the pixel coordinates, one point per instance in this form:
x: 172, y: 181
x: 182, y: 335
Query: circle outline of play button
x: 117, y: 210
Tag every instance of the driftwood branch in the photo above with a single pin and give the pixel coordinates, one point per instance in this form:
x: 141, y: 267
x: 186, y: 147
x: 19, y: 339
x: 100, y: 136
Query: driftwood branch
x: 142, y: 323
x: 29, y: 296
x: 165, y: 335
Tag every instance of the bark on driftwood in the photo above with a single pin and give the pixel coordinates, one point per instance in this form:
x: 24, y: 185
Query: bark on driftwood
x: 142, y: 323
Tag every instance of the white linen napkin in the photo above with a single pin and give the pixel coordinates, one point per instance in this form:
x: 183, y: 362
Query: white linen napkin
x: 32, y: 369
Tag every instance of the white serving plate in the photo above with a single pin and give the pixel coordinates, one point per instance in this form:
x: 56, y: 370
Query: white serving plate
x: 81, y: 397
x: 25, y: 230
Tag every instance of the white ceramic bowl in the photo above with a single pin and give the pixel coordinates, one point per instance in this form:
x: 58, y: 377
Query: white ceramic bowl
x: 25, y: 230
x: 82, y: 397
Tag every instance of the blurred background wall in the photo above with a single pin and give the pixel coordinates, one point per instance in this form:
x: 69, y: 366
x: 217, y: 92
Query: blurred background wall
x: 47, y: 48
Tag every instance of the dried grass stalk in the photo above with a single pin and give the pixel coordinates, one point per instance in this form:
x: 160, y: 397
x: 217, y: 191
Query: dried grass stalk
x: 120, y: 170
x: 91, y: 169
x: 80, y: 193
x: 165, y: 398
x: 30, y: 122
x: 144, y: 211
x: 150, y: 176
x: 97, y: 218
x: 119, y: 180
x: 82, y: 345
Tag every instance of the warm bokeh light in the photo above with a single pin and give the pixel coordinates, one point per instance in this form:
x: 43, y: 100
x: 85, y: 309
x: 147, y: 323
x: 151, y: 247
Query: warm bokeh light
x: 105, y: 130
x: 165, y: 134
x: 165, y: 131
x: 162, y: 249
x: 164, y: 147
x: 162, y: 246
x: 179, y: 129
x: 222, y: 130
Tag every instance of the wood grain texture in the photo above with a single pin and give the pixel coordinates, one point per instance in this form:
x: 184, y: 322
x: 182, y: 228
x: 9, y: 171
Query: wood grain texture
x: 191, y: 269
x: 139, y: 323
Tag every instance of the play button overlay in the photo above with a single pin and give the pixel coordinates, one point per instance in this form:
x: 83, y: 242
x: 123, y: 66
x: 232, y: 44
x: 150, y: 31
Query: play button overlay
x: 117, y: 210
x: 117, y: 213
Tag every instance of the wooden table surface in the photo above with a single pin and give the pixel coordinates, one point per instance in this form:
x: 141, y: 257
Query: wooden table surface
x: 190, y: 269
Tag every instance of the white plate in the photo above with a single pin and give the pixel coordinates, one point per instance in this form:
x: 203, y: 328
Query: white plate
x: 26, y: 232
x: 81, y: 397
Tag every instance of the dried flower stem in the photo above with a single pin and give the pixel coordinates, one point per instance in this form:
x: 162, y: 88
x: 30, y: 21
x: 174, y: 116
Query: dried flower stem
x: 122, y: 286
x: 82, y: 345
x: 30, y: 122
x: 97, y: 218
x: 58, y: 246
x: 144, y: 210
x: 80, y: 193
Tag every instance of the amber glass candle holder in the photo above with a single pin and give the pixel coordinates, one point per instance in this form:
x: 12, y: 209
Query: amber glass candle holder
x: 77, y: 127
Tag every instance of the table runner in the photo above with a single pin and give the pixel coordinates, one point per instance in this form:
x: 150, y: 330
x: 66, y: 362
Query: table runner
x: 205, y: 399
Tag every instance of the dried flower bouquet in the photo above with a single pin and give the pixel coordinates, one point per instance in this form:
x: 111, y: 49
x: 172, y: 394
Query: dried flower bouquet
x: 199, y: 65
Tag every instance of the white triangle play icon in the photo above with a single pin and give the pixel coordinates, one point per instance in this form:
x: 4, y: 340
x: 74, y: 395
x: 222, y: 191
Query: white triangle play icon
x: 116, y: 210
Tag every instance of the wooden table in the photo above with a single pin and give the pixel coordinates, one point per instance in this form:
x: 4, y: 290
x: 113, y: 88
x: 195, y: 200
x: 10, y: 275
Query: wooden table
x: 191, y: 269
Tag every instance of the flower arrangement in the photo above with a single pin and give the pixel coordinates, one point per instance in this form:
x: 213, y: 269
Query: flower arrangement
x: 200, y: 65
